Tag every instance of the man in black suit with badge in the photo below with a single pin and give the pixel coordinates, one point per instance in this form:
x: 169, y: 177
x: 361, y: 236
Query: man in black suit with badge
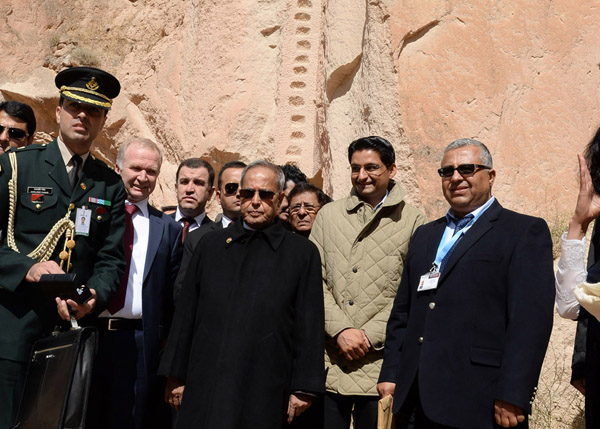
x: 473, y: 314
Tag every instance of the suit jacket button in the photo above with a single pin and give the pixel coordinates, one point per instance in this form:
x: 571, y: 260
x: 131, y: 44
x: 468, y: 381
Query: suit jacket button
x: 431, y: 305
x: 420, y: 340
x: 354, y: 269
x: 351, y: 302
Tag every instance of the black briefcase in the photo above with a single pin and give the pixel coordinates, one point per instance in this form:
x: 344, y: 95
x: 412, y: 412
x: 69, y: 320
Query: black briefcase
x: 58, y: 381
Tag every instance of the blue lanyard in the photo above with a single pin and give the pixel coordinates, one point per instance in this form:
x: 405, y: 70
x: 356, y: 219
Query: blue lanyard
x: 442, y: 251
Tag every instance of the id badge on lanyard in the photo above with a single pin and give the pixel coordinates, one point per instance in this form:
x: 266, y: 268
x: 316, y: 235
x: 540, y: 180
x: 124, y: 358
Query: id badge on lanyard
x: 429, y: 281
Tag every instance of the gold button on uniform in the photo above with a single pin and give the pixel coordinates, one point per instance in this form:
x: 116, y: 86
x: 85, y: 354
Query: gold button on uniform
x: 38, y: 206
x: 420, y: 340
x: 71, y: 206
x: 431, y: 305
x: 99, y: 217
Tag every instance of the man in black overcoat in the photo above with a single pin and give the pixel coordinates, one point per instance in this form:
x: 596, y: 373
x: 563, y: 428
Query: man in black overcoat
x: 247, y: 338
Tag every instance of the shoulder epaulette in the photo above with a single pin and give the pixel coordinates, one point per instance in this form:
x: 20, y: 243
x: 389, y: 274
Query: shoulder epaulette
x: 35, y: 146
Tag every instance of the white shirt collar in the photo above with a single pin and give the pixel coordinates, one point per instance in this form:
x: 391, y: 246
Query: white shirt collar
x: 67, y: 154
x: 142, y: 206
x: 387, y: 192
x: 477, y: 211
x: 198, y: 219
x: 225, y: 221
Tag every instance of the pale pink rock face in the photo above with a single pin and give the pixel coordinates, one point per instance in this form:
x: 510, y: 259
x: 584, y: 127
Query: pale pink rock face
x: 298, y: 80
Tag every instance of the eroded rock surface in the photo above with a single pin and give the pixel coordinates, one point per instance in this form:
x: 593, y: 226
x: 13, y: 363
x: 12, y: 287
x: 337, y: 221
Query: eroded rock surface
x: 297, y: 80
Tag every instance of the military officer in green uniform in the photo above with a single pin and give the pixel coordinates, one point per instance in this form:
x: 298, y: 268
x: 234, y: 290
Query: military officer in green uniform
x: 51, y: 197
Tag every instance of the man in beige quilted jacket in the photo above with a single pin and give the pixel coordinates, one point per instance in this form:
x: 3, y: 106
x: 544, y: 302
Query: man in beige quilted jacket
x: 363, y: 240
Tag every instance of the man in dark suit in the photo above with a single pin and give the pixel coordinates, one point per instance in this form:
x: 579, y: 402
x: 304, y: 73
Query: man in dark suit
x: 126, y: 392
x: 228, y: 182
x: 473, y: 314
x: 55, y: 184
x: 194, y: 188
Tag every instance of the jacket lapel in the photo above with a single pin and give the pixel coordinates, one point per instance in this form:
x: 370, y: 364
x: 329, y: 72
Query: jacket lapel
x: 58, y: 173
x: 154, y: 238
x: 473, y: 235
x: 432, y: 245
x: 85, y: 185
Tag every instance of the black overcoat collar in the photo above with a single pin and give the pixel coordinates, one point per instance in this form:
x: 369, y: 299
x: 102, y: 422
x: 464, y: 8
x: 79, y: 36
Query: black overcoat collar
x: 273, y: 233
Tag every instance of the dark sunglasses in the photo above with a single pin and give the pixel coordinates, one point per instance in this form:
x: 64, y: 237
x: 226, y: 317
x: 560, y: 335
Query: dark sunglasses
x: 231, y: 188
x: 263, y: 194
x: 14, y: 133
x: 463, y: 169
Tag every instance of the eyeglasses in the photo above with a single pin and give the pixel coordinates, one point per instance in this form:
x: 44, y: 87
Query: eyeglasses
x: 231, y: 188
x: 14, y: 133
x: 308, y: 208
x: 370, y: 169
x: 263, y: 194
x: 463, y: 169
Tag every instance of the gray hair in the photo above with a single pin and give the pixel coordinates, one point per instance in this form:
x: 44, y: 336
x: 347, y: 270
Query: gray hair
x: 143, y: 142
x: 485, y: 157
x: 266, y: 164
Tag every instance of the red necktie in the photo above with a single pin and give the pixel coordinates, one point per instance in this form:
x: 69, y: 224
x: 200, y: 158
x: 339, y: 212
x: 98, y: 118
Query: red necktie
x: 187, y: 221
x: 118, y: 301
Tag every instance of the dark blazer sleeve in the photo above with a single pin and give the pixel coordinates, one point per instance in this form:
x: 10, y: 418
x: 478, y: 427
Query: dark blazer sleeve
x: 110, y: 261
x: 173, y: 266
x: 530, y: 311
x: 14, y: 266
x: 174, y: 361
x: 396, y: 326
x: 579, y: 347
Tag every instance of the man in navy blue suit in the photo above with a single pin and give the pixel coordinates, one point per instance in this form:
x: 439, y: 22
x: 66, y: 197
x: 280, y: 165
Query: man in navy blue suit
x: 473, y: 314
x: 126, y: 392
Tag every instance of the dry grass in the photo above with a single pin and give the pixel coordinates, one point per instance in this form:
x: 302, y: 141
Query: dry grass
x: 558, y: 225
x: 558, y: 405
x: 84, y: 57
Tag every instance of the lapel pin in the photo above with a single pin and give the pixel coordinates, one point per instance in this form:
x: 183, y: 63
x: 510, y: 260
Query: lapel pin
x: 229, y: 240
x: 83, y: 186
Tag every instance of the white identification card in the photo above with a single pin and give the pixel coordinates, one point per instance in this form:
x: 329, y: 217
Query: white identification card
x: 428, y: 281
x: 83, y: 218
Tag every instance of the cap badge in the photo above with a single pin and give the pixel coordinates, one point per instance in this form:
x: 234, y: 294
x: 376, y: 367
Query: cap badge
x: 92, y: 84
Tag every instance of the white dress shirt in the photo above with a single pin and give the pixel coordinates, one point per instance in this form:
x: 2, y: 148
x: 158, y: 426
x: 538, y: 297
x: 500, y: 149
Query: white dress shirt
x: 571, y: 272
x: 133, y: 297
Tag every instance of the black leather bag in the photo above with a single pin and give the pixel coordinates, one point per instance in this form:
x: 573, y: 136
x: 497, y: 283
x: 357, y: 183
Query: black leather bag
x: 58, y: 381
